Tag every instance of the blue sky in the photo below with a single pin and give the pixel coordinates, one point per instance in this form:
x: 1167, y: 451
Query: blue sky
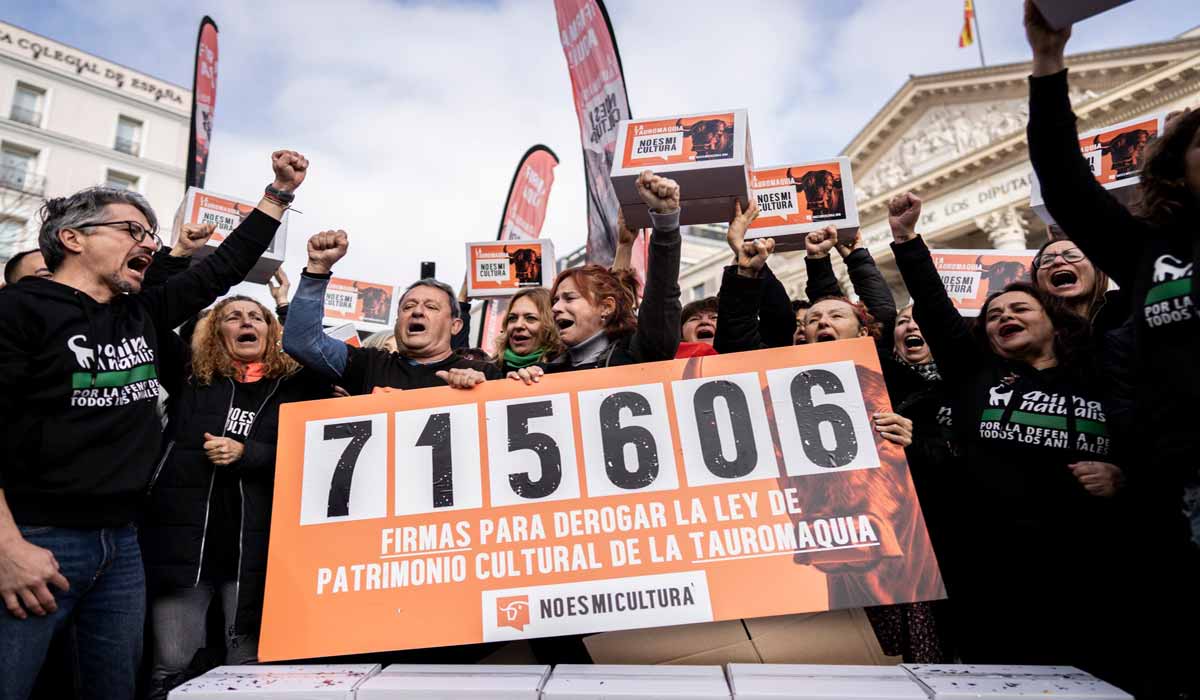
x: 414, y: 114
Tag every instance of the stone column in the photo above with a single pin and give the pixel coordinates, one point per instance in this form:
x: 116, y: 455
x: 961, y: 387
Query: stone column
x: 1005, y: 228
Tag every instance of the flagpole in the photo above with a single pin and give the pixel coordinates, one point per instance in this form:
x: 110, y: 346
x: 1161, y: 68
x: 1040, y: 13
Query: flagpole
x: 978, y: 35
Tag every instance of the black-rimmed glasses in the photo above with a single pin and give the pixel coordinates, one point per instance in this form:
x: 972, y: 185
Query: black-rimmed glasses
x: 1071, y: 255
x: 135, y: 230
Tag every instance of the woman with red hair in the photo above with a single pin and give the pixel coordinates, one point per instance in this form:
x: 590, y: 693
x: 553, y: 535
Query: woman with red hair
x: 596, y: 310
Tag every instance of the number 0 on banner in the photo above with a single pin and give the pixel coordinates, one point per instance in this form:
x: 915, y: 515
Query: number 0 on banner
x: 655, y: 494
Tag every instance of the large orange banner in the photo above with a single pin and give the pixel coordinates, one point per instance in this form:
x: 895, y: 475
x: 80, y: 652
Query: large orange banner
x: 711, y: 488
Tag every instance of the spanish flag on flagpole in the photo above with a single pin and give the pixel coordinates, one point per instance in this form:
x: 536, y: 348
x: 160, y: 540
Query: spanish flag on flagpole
x: 967, y: 37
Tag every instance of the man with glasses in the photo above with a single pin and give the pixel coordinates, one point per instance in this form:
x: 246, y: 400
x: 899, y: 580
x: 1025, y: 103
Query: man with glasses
x: 79, y: 369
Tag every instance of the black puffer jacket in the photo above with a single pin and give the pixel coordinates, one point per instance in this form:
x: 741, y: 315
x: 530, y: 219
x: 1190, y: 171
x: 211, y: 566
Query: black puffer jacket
x: 176, y: 521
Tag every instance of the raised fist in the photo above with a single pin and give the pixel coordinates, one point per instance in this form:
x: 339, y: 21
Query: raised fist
x: 325, y: 249
x: 1046, y: 41
x: 817, y: 243
x: 625, y: 235
x: 904, y: 211
x: 290, y: 168
x: 192, y: 237
x: 661, y: 194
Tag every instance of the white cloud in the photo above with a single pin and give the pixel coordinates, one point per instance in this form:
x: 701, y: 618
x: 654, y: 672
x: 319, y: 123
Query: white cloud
x: 414, y: 114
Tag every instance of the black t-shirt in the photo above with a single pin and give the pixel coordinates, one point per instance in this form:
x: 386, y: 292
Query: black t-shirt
x: 367, y: 368
x: 222, y: 538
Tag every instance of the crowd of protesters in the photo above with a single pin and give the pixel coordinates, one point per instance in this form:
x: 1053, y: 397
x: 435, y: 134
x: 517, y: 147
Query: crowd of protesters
x: 125, y: 521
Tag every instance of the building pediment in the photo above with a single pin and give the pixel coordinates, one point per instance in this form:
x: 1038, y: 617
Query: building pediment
x: 936, y: 119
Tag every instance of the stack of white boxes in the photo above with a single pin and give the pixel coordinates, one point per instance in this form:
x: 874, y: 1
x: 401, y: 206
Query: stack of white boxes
x: 586, y: 682
x: 331, y: 682
x: 449, y: 682
x: 959, y: 682
x: 824, y: 682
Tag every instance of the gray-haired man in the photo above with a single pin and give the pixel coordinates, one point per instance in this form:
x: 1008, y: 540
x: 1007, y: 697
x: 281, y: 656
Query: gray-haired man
x: 79, y: 372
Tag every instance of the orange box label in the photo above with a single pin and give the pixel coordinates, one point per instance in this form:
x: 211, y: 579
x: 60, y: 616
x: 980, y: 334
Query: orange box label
x: 685, y: 140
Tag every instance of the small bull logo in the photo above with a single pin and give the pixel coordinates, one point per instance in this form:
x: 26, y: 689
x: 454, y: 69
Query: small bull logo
x: 1169, y: 267
x: 527, y: 264
x: 83, y: 354
x: 513, y: 612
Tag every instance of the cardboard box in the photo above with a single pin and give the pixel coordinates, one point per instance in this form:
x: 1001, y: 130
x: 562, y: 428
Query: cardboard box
x: 709, y: 155
x: 959, y: 682
x: 702, y: 643
x: 346, y: 333
x: 1115, y: 154
x: 1061, y: 13
x: 296, y: 682
x: 970, y: 276
x: 833, y: 637
x: 204, y: 207
x: 451, y: 681
x: 812, y: 682
x: 503, y: 268
x: 370, y: 306
x: 799, y: 198
x: 585, y: 682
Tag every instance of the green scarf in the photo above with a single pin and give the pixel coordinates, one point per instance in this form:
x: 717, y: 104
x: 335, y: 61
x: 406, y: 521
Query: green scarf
x: 514, y: 361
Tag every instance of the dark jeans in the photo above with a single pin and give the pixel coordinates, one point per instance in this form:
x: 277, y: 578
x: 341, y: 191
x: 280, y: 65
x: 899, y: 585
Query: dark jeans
x: 107, y: 602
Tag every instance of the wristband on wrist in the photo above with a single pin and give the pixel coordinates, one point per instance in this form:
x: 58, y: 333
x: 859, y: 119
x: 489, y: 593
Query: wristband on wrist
x: 275, y: 194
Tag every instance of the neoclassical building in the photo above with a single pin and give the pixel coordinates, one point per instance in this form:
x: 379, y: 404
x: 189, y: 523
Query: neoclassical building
x: 957, y: 140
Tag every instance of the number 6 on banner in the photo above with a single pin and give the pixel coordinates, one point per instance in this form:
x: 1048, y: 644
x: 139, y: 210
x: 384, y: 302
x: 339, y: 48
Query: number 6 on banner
x: 823, y: 423
x: 437, y: 460
x: 345, y: 470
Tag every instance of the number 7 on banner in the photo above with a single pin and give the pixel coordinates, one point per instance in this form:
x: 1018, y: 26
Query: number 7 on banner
x: 345, y: 469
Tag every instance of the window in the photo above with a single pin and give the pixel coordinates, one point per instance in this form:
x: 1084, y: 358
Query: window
x: 698, y: 292
x: 129, y: 136
x: 18, y: 169
x: 27, y: 105
x: 121, y: 181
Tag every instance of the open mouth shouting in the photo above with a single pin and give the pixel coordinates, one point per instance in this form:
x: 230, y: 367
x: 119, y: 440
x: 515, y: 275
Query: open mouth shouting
x: 912, y: 341
x: 415, y: 328
x: 1064, y: 279
x: 705, y: 332
x: 825, y: 335
x: 139, y: 263
x: 563, y: 323
x: 1009, y: 329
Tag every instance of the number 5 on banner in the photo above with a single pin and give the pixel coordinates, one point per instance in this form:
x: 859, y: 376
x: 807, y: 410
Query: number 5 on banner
x: 345, y: 470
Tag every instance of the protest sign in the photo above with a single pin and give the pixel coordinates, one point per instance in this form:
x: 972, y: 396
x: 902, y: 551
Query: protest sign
x: 1115, y: 154
x: 1064, y: 13
x: 601, y: 102
x: 707, y: 154
x: 796, y: 199
x: 204, y: 103
x: 712, y: 488
x: 365, y: 304
x: 971, y: 275
x: 226, y: 213
x: 503, y: 269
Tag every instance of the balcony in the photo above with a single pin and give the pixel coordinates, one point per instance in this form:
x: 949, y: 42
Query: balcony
x: 22, y: 180
x: 127, y: 146
x: 25, y: 115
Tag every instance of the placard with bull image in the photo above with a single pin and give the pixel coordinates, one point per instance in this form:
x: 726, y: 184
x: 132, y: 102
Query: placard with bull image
x: 970, y: 276
x: 796, y: 199
x: 227, y: 213
x: 707, y: 154
x: 713, y: 488
x: 367, y: 305
x: 1115, y: 154
x: 502, y: 268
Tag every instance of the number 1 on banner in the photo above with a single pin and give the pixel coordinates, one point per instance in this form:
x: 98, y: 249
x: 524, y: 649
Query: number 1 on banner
x: 345, y: 470
x: 437, y: 460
